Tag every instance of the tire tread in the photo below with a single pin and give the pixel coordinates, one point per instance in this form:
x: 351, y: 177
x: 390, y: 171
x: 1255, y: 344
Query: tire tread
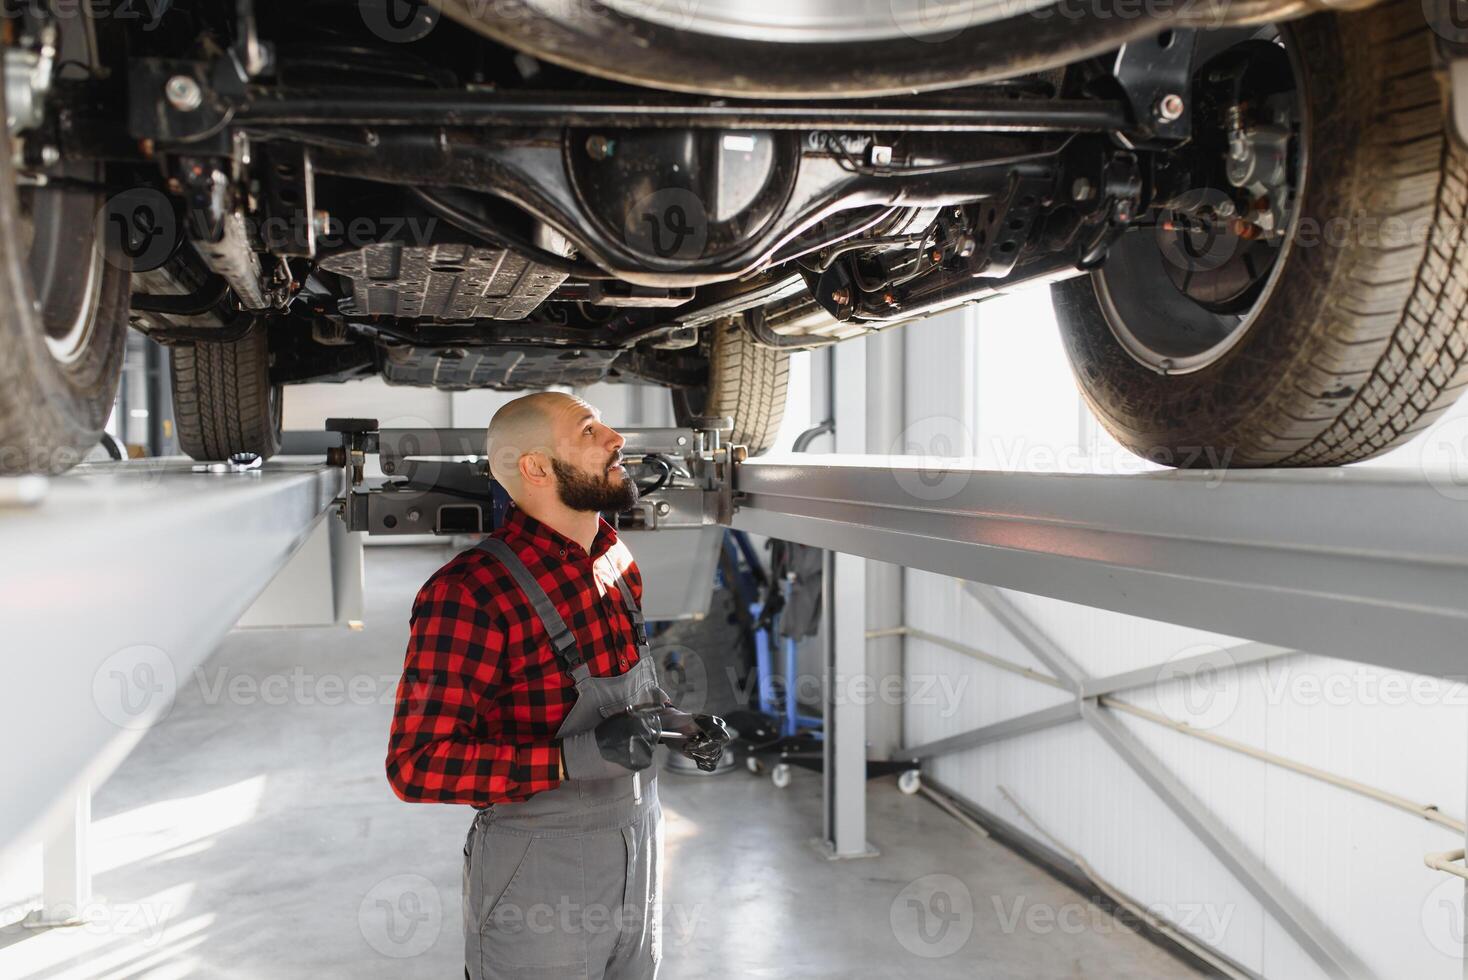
x: 748, y: 383
x: 223, y: 400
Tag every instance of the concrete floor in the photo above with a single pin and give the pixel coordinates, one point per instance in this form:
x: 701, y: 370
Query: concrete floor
x: 252, y: 835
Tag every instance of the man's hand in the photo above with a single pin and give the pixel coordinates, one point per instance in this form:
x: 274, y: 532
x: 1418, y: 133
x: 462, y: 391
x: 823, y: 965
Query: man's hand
x: 620, y: 744
x: 700, y: 737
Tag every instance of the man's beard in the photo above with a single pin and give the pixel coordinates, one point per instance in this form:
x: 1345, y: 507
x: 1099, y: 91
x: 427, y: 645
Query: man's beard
x: 585, y: 493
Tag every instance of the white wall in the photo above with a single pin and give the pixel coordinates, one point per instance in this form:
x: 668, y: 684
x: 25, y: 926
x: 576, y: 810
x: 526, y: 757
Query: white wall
x: 308, y: 406
x: 992, y: 384
x: 396, y: 406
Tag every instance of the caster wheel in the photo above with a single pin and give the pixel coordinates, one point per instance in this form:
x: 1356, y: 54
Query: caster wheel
x: 753, y: 764
x: 910, y: 781
x: 780, y: 775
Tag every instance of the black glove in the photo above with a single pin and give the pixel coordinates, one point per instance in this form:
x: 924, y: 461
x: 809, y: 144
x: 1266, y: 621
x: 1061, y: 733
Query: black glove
x: 700, y: 737
x: 707, y: 748
x: 621, y: 744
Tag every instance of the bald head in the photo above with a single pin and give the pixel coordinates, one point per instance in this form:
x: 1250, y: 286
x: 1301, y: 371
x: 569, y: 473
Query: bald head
x: 552, y: 450
x: 525, y: 425
x: 560, y: 463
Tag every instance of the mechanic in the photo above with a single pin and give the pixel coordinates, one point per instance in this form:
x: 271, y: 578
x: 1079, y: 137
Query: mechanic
x: 528, y: 692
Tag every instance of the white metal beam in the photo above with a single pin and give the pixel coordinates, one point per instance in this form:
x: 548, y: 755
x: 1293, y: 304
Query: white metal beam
x: 1231, y: 657
x: 845, y: 718
x: 1322, y: 945
x: 116, y: 586
x: 1033, y: 721
x: 66, y: 868
x: 885, y: 403
x: 845, y: 740
x: 1313, y: 935
x: 1041, y: 647
x: 1367, y: 564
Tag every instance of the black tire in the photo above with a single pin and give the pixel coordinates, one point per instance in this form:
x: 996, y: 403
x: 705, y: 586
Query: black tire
x: 1364, y: 343
x: 53, y: 407
x: 223, y: 401
x: 747, y: 383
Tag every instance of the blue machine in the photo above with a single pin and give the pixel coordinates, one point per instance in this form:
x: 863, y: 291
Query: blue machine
x: 777, y: 686
x: 778, y: 731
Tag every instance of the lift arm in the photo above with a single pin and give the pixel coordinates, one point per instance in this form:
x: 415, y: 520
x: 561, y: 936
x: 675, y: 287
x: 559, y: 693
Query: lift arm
x: 439, y: 483
x: 1364, y: 564
x: 1360, y: 563
x: 127, y: 576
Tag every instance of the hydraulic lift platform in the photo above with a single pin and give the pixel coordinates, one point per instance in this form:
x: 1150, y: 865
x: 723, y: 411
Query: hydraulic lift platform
x: 1364, y: 564
x: 119, y: 579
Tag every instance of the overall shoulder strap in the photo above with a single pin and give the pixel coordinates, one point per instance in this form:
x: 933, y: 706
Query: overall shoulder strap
x: 639, y: 624
x: 632, y: 609
x: 562, y: 639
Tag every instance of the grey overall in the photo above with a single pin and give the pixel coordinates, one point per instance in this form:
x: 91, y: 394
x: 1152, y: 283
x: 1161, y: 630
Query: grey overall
x: 568, y: 883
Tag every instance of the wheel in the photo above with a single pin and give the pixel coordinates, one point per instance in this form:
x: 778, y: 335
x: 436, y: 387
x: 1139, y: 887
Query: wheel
x: 63, y: 325
x: 223, y: 400
x: 746, y: 383
x: 753, y: 764
x: 909, y: 781
x: 1331, y: 339
x: 780, y: 775
x: 804, y: 49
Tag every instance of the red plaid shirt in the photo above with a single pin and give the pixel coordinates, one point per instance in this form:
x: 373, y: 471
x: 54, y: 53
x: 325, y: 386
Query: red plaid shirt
x: 482, y: 695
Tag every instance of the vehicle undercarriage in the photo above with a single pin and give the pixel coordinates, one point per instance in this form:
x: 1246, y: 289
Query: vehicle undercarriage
x: 494, y: 195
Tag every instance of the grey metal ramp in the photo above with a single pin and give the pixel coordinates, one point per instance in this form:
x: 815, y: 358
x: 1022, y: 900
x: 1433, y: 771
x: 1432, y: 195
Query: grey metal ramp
x: 118, y: 583
x: 1367, y: 564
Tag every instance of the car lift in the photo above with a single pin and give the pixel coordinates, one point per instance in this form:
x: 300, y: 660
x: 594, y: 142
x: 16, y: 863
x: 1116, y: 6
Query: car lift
x: 430, y: 492
x: 122, y: 577
x: 1360, y: 563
